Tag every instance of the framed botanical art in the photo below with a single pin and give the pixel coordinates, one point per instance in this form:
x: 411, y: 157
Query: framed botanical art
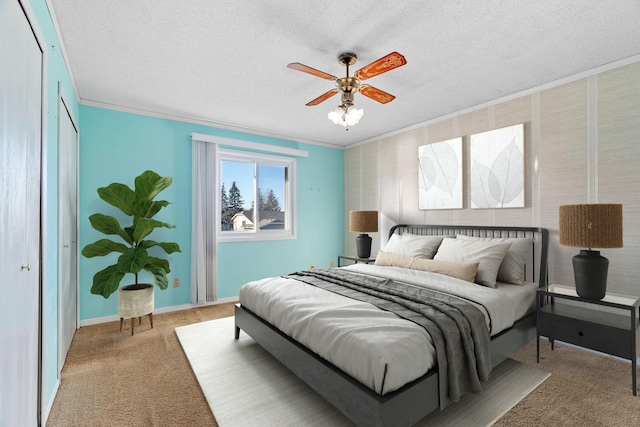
x: 497, y: 168
x: 440, y: 175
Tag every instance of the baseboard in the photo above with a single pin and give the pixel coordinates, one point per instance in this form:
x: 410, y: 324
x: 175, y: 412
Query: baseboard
x: 44, y: 415
x: 115, y: 317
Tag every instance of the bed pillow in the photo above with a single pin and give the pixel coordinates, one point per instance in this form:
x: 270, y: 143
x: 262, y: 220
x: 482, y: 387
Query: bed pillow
x: 512, y: 267
x: 460, y: 270
x: 488, y: 254
x: 413, y: 245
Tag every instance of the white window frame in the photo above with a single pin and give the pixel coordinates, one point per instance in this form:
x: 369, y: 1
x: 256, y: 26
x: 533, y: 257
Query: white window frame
x: 289, y: 231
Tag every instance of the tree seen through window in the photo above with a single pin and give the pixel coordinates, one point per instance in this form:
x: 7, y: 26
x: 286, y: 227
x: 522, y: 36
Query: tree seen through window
x: 252, y: 183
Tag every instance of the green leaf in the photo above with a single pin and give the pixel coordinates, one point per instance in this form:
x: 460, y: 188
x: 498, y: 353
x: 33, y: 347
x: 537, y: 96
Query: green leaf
x: 156, y: 206
x: 133, y: 260
x: 102, y: 247
x: 145, y: 226
x: 106, y: 282
x: 159, y: 262
x: 147, y: 244
x: 141, y: 208
x: 109, y: 225
x: 159, y: 274
x: 129, y: 231
x: 118, y: 195
x: 169, y: 247
x: 147, y: 208
x: 149, y: 184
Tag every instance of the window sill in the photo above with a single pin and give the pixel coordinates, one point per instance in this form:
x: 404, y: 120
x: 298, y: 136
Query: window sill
x: 251, y: 237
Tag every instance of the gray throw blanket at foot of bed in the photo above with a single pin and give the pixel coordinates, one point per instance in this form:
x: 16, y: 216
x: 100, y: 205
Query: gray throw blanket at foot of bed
x: 458, y: 329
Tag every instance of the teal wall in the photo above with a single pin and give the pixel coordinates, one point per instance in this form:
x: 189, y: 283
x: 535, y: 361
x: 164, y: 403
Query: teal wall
x: 320, y: 208
x: 117, y: 146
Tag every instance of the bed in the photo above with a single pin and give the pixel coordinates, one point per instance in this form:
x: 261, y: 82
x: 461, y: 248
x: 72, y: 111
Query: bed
x: 370, y: 396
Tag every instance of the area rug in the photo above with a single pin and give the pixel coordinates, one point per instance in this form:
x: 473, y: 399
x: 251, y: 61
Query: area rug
x: 245, y: 386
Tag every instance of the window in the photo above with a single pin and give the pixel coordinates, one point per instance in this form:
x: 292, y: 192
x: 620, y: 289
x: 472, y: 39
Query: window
x: 256, y: 194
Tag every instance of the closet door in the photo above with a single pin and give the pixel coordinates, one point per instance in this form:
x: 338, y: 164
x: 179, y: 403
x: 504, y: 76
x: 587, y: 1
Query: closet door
x: 68, y: 230
x: 20, y: 170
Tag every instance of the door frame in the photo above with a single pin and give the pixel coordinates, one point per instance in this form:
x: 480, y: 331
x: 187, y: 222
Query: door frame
x: 62, y: 100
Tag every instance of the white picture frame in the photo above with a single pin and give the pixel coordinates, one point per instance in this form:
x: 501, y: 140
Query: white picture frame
x: 497, y: 168
x: 440, y: 175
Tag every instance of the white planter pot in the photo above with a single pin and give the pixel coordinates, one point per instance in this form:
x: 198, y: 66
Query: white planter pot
x: 135, y: 301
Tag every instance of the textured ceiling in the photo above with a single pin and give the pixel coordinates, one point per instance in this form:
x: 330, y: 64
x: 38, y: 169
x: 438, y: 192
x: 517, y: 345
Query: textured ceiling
x: 224, y: 61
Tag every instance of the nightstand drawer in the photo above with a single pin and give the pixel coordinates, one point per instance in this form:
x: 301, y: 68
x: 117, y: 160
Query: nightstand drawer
x: 596, y: 336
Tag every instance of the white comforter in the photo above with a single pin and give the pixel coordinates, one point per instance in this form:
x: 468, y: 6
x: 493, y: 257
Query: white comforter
x: 358, y: 337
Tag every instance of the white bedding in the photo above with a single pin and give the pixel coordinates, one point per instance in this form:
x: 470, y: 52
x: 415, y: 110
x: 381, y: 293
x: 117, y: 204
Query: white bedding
x: 358, y: 337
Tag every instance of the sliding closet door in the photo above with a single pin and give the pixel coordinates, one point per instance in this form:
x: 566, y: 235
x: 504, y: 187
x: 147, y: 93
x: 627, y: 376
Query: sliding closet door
x: 68, y: 230
x: 20, y: 152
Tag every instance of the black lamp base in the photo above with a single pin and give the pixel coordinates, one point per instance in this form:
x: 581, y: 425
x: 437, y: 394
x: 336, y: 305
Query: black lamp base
x: 590, y: 272
x: 363, y: 246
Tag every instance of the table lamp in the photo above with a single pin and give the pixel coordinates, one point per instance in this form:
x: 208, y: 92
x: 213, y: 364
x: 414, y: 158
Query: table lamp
x: 591, y: 226
x: 363, y: 222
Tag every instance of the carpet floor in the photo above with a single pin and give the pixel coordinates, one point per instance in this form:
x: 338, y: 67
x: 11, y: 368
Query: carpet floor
x: 585, y: 389
x: 268, y: 394
x: 113, y: 379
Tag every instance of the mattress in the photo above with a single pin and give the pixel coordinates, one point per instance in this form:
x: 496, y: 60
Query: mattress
x: 376, y: 347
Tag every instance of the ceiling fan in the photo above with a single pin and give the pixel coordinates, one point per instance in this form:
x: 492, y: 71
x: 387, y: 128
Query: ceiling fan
x: 346, y: 114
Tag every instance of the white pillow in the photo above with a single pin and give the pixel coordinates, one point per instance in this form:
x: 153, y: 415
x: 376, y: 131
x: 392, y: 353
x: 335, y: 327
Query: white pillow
x: 413, y: 245
x: 488, y: 254
x: 512, y: 267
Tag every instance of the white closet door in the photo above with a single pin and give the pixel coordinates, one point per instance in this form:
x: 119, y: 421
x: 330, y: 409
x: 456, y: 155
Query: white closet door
x: 20, y: 152
x: 68, y: 226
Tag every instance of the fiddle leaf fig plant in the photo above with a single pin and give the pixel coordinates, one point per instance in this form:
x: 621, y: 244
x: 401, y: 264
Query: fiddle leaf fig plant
x: 140, y: 206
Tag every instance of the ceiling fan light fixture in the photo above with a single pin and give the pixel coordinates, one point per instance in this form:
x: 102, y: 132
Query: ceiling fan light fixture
x: 346, y: 115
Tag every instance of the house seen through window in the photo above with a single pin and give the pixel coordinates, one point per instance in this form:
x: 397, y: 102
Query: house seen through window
x: 256, y: 196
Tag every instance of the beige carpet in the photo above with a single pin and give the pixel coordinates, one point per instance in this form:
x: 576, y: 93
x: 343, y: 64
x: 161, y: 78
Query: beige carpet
x: 585, y: 389
x: 245, y: 386
x: 113, y: 379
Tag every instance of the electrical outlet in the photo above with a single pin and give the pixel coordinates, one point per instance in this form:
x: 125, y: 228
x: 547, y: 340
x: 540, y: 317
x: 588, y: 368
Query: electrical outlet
x: 176, y: 282
x: 312, y: 266
x: 331, y: 264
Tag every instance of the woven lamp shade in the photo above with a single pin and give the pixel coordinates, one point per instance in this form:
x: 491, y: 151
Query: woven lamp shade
x: 591, y: 225
x: 363, y: 221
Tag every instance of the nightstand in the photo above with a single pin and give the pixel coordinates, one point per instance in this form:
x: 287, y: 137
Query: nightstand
x: 609, y: 325
x: 342, y: 258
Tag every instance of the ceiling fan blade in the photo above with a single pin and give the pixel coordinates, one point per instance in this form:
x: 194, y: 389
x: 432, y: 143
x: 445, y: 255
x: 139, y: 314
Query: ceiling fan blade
x: 305, y: 69
x: 376, y: 94
x: 382, y: 65
x: 322, y: 97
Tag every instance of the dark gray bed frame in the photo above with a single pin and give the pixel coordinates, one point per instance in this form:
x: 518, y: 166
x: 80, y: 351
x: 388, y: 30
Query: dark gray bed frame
x: 412, y: 402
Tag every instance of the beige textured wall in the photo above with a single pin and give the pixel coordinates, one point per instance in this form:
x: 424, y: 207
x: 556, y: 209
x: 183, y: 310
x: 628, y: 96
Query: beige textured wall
x: 582, y: 145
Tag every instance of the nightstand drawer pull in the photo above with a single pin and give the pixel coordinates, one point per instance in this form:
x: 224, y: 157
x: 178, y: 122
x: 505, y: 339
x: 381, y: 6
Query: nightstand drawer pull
x: 581, y: 334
